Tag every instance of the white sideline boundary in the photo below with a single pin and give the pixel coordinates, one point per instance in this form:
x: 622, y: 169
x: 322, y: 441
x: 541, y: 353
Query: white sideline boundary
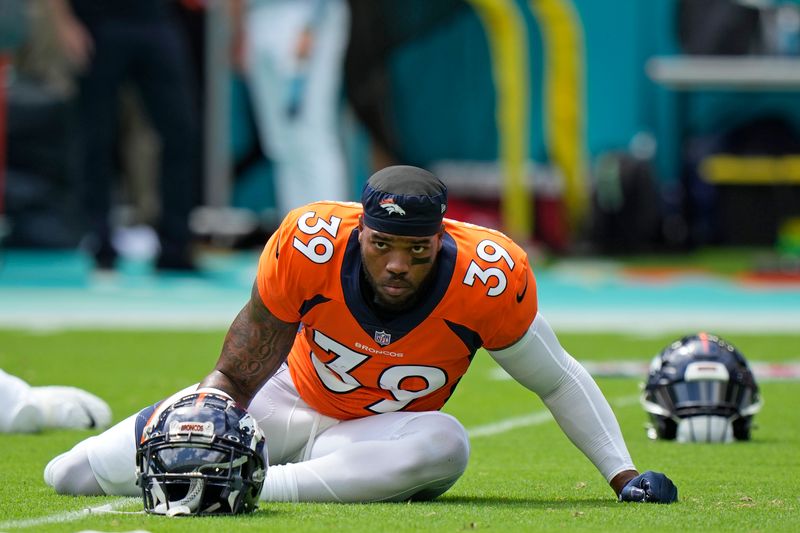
x: 487, y: 430
x: 176, y: 317
x: 192, y: 308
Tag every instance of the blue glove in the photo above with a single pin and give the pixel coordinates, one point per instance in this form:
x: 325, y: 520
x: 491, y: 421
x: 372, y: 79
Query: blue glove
x: 653, y: 487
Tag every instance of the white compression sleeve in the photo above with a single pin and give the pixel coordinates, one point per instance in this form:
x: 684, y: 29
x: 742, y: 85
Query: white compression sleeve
x: 538, y: 362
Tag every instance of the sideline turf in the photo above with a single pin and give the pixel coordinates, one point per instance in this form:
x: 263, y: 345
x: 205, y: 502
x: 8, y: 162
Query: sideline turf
x: 529, y: 478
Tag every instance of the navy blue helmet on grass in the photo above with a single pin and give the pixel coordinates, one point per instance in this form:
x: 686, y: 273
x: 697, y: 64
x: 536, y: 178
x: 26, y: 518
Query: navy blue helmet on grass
x: 202, y: 454
x: 700, y: 389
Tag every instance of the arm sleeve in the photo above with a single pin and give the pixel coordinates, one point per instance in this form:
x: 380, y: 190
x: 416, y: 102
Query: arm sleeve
x: 539, y: 363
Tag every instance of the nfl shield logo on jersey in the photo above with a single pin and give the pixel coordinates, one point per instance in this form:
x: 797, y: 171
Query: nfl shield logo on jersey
x: 383, y: 338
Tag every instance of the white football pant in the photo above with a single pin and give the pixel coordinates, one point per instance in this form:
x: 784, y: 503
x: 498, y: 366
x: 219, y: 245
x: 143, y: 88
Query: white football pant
x: 385, y: 457
x: 306, y: 147
x: 28, y: 409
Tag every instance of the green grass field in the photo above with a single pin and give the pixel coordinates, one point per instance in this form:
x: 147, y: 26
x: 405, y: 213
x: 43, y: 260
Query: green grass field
x: 529, y: 478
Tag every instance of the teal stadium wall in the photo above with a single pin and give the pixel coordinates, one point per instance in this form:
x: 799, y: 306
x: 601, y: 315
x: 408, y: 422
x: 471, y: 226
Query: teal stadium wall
x: 444, y: 101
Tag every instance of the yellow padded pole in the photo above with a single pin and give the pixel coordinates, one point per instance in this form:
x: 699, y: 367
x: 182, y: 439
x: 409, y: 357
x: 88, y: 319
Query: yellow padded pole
x: 507, y: 36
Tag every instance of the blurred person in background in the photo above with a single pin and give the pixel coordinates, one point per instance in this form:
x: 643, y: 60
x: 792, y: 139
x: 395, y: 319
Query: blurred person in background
x: 136, y: 41
x: 30, y: 409
x: 9, y: 39
x: 292, y: 55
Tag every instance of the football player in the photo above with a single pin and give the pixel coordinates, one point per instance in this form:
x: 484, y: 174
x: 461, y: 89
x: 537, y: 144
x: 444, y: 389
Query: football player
x: 362, y: 320
x: 31, y: 409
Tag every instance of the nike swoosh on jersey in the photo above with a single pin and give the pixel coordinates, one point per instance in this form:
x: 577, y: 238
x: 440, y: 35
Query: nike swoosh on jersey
x: 521, y: 295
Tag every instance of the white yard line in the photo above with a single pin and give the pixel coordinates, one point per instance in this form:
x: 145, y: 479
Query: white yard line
x: 495, y: 428
x: 68, y: 516
x: 533, y: 419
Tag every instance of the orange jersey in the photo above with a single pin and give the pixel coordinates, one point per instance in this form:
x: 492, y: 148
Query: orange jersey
x: 346, y: 362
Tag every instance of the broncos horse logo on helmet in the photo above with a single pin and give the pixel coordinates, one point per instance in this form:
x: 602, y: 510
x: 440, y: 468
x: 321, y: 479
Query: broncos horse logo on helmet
x: 202, y: 454
x: 391, y: 207
x: 701, y: 389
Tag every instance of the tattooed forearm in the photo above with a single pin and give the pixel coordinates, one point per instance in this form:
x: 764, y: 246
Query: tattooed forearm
x: 255, y: 346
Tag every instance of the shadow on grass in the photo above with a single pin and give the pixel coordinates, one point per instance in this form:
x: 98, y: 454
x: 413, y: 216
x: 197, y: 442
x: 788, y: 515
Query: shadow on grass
x: 523, y: 502
x: 466, y: 501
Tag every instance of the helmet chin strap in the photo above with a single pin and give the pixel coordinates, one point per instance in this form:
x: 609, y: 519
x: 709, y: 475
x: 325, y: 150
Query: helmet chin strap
x: 190, y: 504
x: 185, y: 506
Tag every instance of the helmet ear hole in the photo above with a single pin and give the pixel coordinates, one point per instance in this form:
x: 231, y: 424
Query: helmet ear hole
x: 741, y: 428
x: 666, y: 428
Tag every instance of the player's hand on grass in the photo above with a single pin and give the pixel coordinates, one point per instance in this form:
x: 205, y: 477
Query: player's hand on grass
x: 651, y: 487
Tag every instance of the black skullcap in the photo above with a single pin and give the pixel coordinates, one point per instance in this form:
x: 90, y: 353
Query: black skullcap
x: 404, y: 200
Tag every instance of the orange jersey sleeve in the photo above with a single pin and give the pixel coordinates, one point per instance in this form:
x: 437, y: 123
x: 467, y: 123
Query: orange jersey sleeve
x: 296, y: 262
x: 494, y: 280
x: 349, y: 361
